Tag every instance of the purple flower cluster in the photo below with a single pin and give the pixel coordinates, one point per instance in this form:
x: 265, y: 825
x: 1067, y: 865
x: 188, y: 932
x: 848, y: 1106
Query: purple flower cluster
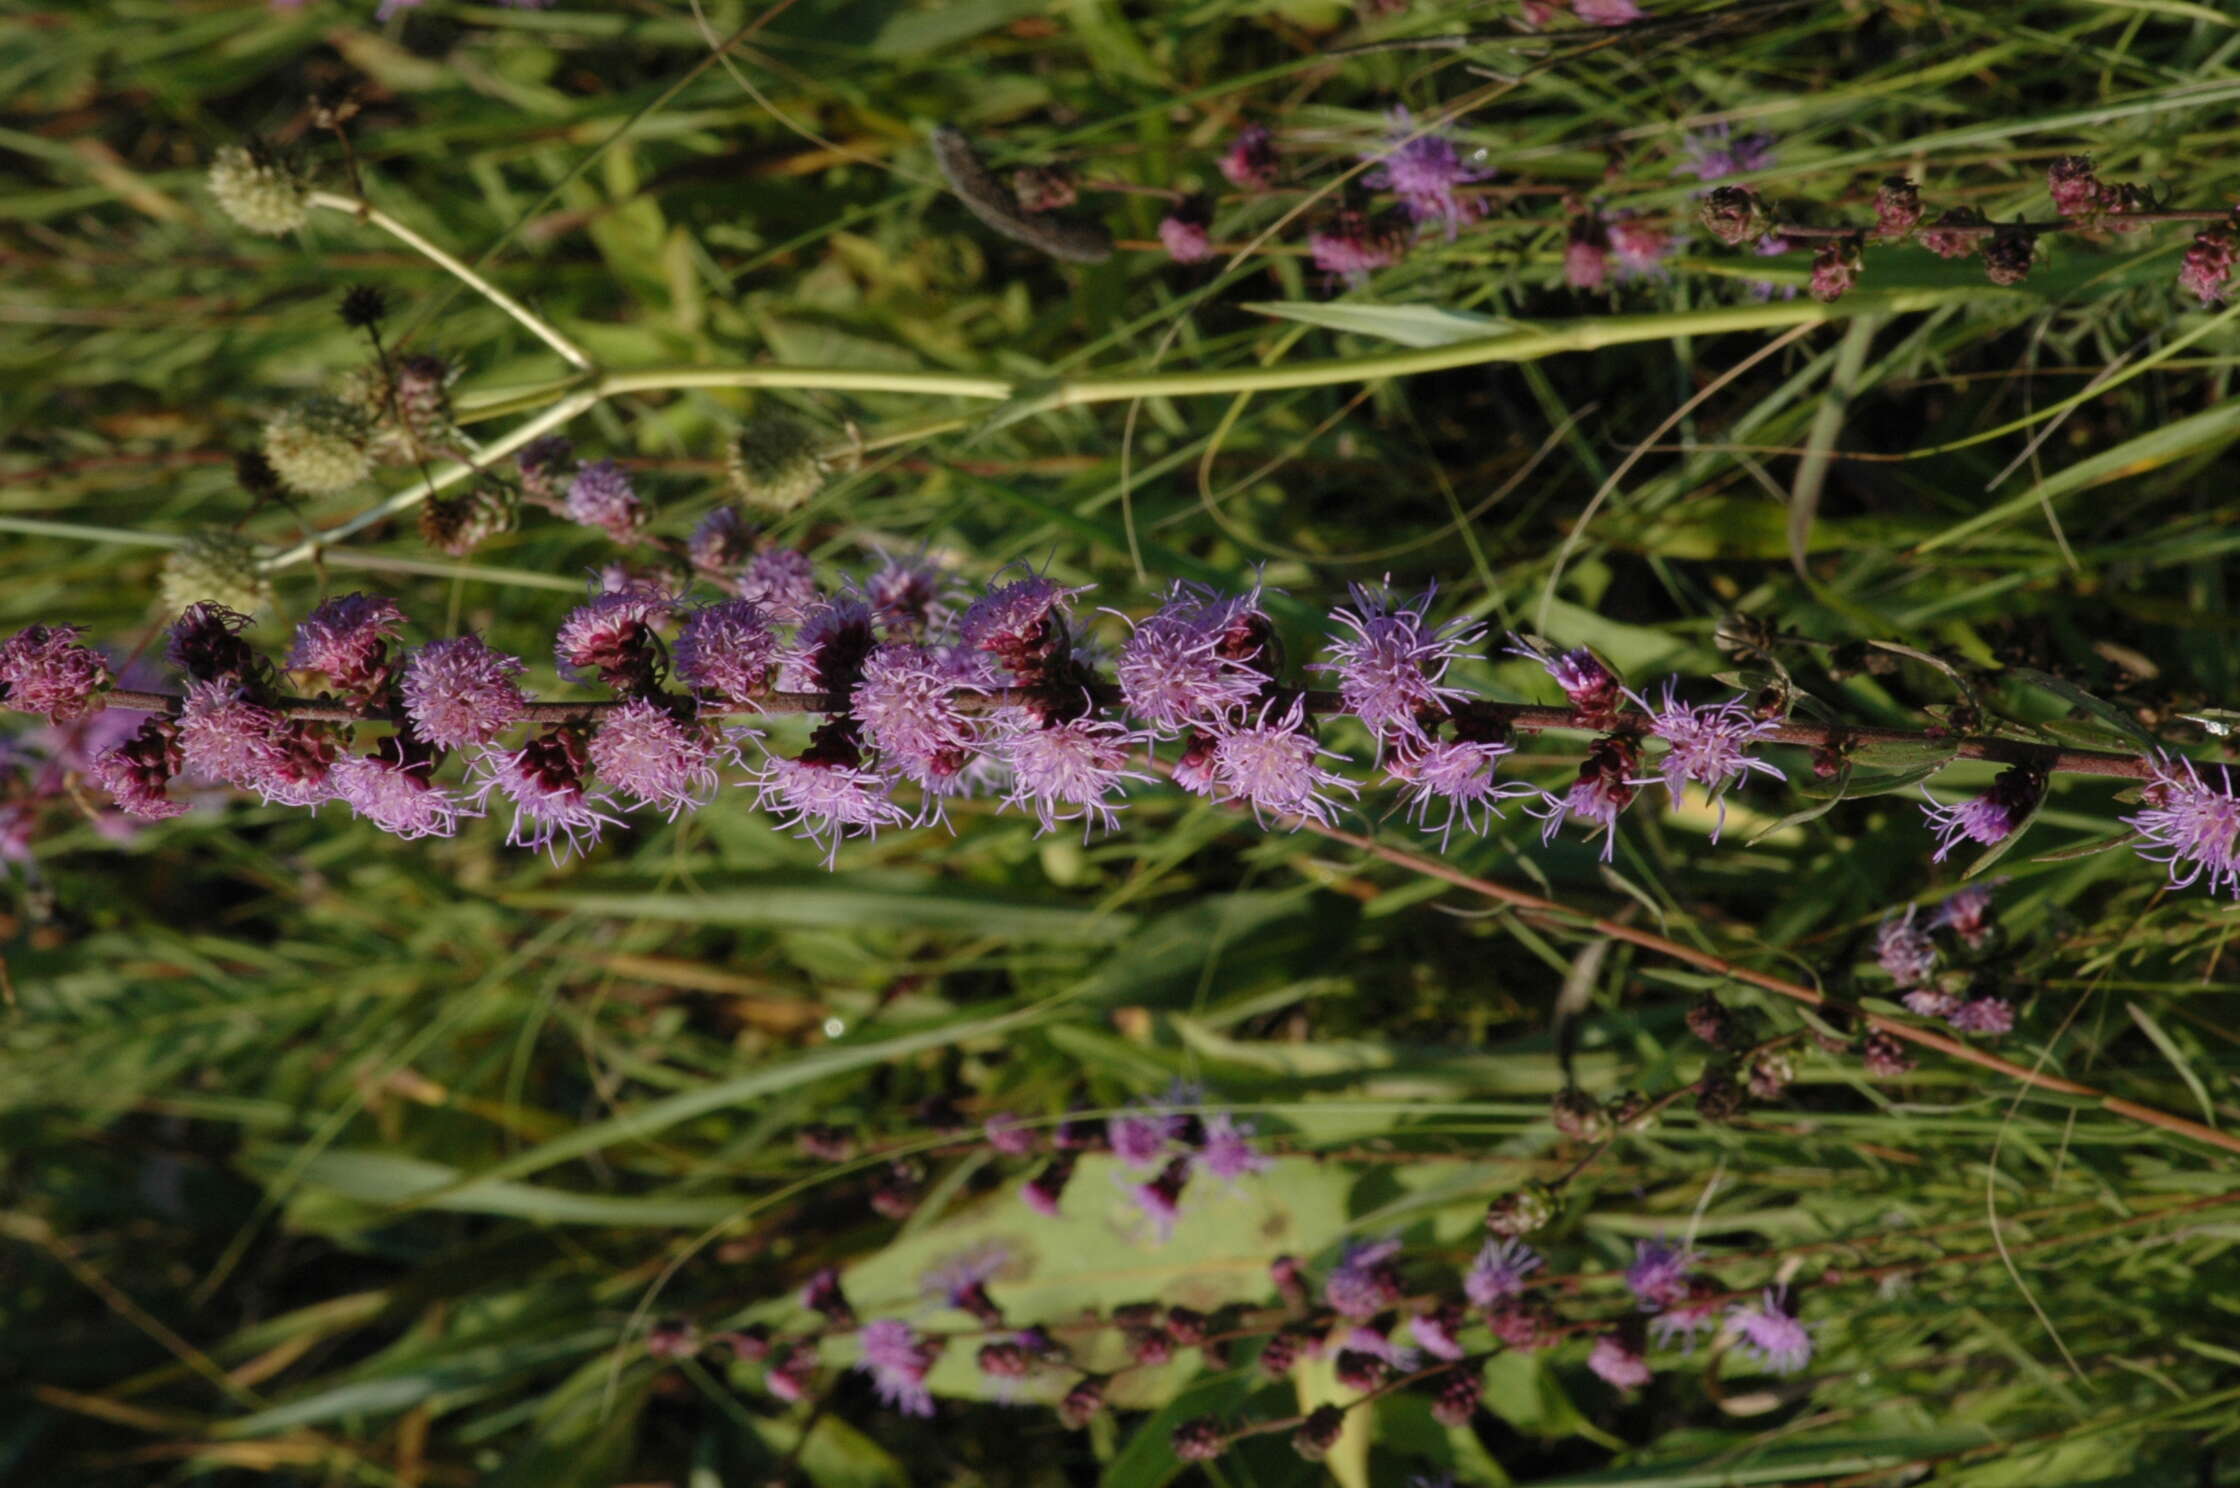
x: 1423, y: 169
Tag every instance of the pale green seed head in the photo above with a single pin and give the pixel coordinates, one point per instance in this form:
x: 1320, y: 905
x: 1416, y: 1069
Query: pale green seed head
x: 320, y: 446
x: 259, y: 190
x: 218, y: 566
x: 775, y: 464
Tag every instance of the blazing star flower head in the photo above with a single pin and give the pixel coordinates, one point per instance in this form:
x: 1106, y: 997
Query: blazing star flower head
x: 1350, y: 245
x: 720, y: 544
x: 825, y: 795
x: 1435, y: 1332
x: 1618, y: 1362
x: 2191, y: 825
x: 393, y: 791
x: 1905, y: 950
x: 137, y: 772
x: 957, y: 1277
x: 2074, y: 186
x: 346, y: 639
x: 553, y: 809
x: 1931, y: 1002
x: 1072, y: 771
x: 1714, y: 153
x: 906, y: 701
x: 726, y: 650
x: 1989, y: 818
x: 898, y: 1363
x: 1272, y: 762
x: 302, y: 777
x: 2207, y: 266
x: 1136, y: 1138
x: 1226, y: 1152
x: 1368, y: 1339
x: 1769, y: 1330
x: 1990, y: 1016
x: 1640, y: 247
x: 1770, y: 246
x: 1044, y: 1190
x: 656, y: 759
x: 1457, y: 773
x: 829, y: 646
x: 782, y: 581
x: 1696, y: 1308
x: 1161, y: 1198
x: 1607, y: 12
x: 601, y: 496
x: 613, y: 636
x: 1586, y: 253
x: 205, y: 642
x: 460, y: 692
x: 541, y: 462
x: 1658, y: 1277
x: 1707, y: 746
x: 1187, y: 240
x: 1005, y: 1135
x: 43, y: 669
x: 1603, y: 789
x: 1022, y: 623
x: 1249, y: 164
x: 905, y: 594
x: 1365, y: 1281
x: 1191, y: 661
x: 1594, y: 690
x: 1389, y: 668
x: 1499, y: 1271
x: 226, y: 738
x: 1423, y: 170
x: 794, y: 1372
x: 1967, y: 914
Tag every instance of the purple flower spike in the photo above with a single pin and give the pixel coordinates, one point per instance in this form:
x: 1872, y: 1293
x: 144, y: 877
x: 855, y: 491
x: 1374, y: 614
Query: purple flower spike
x: 1603, y: 789
x: 345, y: 638
x: 1457, y: 773
x: 1389, y: 669
x: 1423, y: 170
x: 553, y: 809
x: 1364, y: 1282
x: 1618, y: 1362
x: 1073, y: 771
x: 1499, y: 1271
x: 1716, y: 152
x: 1274, y: 763
x: 1190, y: 662
x: 1658, y: 1277
x: 1905, y: 950
x: 1990, y: 1016
x: 898, y: 1363
x: 1707, y: 746
x: 43, y: 669
x: 1989, y: 818
x: 782, y: 582
x: 2191, y: 826
x: 1136, y: 1138
x: 1769, y: 1330
x: 726, y: 650
x: 1249, y: 164
x: 825, y: 797
x: 601, y: 496
x: 1227, y: 1152
x: 461, y: 692
x: 658, y: 760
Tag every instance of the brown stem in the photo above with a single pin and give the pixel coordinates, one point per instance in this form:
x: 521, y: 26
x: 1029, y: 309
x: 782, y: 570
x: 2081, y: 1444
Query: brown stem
x: 1523, y: 718
x: 2105, y: 222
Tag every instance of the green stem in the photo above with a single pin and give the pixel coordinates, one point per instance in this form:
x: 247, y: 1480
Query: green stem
x: 134, y: 537
x: 837, y: 379
x: 536, y: 325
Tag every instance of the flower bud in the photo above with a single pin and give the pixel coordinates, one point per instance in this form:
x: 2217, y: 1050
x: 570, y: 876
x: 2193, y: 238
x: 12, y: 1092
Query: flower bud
x: 1719, y: 1096
x: 1199, y: 1439
x: 672, y: 1339
x: 1005, y: 1359
x: 459, y: 524
x: 775, y: 464
x: 1709, y: 1020
x: 217, y: 566
x: 1358, y: 1371
x: 1885, y: 1057
x: 260, y: 188
x: 1319, y: 1432
x: 2208, y: 263
x: 1734, y: 215
x: 825, y: 1143
x: 1629, y: 1111
x: 1281, y: 1352
x: 1835, y: 269
x: 1522, y: 1211
x: 2074, y: 186
x: 2007, y: 257
x: 1457, y: 1397
x: 1187, y: 1326
x: 320, y: 446
x: 1950, y: 237
x: 1578, y: 1116
x: 1897, y: 209
x: 1082, y: 1404
x: 1771, y: 1071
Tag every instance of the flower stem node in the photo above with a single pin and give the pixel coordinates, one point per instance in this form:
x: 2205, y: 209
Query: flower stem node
x: 261, y: 188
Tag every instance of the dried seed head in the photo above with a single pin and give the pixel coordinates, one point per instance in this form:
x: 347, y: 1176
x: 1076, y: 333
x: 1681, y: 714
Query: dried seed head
x: 1897, y: 209
x: 320, y: 446
x: 2007, y: 257
x: 459, y: 524
x: 217, y: 566
x: 1579, y: 1116
x: 1734, y: 215
x: 262, y: 189
x: 775, y: 464
x: 1319, y: 1432
x: 1521, y: 1211
x: 363, y: 307
x: 1199, y: 1439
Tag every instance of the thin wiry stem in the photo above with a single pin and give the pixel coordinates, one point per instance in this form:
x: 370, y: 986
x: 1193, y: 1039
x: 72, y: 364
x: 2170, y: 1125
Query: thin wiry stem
x: 535, y: 324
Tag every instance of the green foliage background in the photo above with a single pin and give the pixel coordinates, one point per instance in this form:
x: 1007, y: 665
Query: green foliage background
x: 331, y: 1158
